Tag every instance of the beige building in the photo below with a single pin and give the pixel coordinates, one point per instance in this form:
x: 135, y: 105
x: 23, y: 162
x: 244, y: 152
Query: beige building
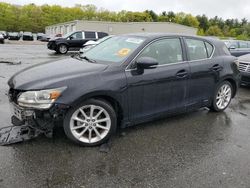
x: 114, y: 28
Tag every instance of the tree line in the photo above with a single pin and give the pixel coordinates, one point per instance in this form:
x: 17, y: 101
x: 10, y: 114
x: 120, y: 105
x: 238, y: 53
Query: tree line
x: 35, y: 18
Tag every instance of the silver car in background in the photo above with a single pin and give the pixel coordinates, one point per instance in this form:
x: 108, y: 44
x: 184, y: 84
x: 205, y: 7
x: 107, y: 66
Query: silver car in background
x: 238, y: 47
x: 90, y: 44
x: 244, y: 67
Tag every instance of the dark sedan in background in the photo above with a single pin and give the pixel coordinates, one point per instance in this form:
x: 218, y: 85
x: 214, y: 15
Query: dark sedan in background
x: 123, y: 81
x: 28, y: 36
x: 14, y: 36
x: 39, y: 36
x: 45, y: 38
x: 244, y: 67
x: 238, y: 47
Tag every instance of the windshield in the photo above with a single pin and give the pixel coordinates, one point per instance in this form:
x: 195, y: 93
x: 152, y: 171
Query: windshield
x: 115, y: 49
x: 103, y: 39
x: 13, y: 34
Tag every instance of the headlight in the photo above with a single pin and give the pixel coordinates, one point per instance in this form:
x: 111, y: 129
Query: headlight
x: 42, y: 99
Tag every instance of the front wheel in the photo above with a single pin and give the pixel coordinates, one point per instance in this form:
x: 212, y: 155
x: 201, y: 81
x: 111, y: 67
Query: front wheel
x: 222, y: 97
x: 90, y: 123
x: 62, y: 49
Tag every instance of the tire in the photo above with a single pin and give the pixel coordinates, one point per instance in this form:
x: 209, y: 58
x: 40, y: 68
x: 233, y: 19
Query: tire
x: 62, y: 49
x: 79, y: 124
x: 224, y: 92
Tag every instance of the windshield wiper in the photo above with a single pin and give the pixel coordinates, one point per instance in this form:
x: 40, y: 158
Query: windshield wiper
x: 88, y: 59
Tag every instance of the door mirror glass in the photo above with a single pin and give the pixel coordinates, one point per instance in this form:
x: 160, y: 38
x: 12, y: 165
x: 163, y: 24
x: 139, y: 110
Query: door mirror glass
x: 146, y: 63
x: 232, y: 48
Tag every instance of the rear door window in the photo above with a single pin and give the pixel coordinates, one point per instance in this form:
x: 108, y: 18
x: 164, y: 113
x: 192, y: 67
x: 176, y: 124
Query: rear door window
x: 89, y: 35
x: 210, y: 49
x: 196, y: 49
x: 101, y: 35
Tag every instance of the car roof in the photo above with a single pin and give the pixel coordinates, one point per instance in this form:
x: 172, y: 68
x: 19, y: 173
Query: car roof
x: 88, y: 31
x: 233, y: 40
x: 160, y: 35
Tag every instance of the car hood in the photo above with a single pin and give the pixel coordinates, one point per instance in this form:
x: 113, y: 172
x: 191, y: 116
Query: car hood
x: 245, y: 58
x: 56, y: 39
x: 53, y: 74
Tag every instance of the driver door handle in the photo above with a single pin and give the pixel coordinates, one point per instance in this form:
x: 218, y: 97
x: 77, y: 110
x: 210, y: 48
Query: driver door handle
x: 182, y: 74
x: 216, y: 68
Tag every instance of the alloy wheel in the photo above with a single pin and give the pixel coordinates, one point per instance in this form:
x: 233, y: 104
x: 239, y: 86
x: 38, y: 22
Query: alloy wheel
x: 224, y: 96
x: 63, y: 49
x: 90, y: 124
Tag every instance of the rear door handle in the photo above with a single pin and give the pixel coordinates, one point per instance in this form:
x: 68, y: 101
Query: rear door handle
x: 182, y: 74
x: 216, y: 68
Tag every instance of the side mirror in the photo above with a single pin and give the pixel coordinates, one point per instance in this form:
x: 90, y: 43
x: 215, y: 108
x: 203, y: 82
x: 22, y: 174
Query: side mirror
x: 232, y: 48
x: 70, y: 38
x: 146, y: 63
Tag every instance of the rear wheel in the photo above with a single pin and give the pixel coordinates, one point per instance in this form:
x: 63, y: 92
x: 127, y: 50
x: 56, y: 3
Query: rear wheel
x: 62, y: 49
x: 90, y: 123
x: 222, y: 97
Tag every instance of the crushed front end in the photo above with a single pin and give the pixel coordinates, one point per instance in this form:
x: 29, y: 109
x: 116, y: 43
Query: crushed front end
x: 28, y: 123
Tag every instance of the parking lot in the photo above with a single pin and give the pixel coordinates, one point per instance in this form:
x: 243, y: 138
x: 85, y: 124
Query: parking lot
x: 198, y: 149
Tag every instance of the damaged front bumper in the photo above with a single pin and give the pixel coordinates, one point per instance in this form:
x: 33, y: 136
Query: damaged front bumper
x: 29, y: 123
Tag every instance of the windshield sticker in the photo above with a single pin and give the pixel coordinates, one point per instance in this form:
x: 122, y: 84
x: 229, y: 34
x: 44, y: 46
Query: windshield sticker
x: 123, y: 52
x: 134, y: 40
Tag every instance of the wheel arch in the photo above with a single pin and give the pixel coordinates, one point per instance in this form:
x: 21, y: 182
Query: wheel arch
x: 60, y: 43
x: 233, y: 83
x: 109, y: 98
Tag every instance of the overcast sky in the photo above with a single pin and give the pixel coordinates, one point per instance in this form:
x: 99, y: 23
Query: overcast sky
x: 222, y: 8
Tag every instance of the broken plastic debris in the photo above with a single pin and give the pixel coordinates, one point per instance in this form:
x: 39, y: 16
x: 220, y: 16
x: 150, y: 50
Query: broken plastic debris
x: 14, y: 134
x: 12, y: 62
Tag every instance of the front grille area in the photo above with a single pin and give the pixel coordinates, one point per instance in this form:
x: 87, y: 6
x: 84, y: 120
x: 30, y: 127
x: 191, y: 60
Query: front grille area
x: 244, y: 67
x: 51, y: 45
x: 13, y: 95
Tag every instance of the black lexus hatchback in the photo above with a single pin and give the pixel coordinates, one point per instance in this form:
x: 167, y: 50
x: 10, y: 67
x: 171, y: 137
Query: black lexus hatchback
x: 125, y: 80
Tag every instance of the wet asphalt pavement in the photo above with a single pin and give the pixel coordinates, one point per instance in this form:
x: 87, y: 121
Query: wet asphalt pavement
x: 198, y: 149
